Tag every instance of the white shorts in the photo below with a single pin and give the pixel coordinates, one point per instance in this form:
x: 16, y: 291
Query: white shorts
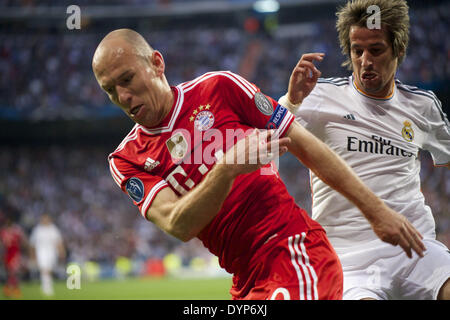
x: 46, y: 259
x: 385, y: 272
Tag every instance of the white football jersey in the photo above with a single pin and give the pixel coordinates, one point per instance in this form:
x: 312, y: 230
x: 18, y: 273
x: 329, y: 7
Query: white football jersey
x: 380, y: 139
x: 46, y: 238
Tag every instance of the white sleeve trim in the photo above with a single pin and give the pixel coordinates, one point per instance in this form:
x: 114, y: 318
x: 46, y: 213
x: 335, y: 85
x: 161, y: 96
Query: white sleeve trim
x: 151, y: 195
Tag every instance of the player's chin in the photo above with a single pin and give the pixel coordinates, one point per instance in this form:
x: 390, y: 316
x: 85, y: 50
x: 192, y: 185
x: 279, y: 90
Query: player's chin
x: 371, y: 87
x: 144, y: 121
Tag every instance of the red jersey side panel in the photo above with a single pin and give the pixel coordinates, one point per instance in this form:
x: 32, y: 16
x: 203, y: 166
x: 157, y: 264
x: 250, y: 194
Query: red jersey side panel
x: 11, y: 238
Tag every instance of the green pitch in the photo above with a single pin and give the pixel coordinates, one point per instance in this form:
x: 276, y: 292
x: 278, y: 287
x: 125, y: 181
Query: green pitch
x: 136, y: 289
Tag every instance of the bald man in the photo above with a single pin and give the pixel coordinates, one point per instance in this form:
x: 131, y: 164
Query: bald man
x: 184, y: 170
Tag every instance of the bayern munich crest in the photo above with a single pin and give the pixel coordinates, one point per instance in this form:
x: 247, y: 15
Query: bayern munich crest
x: 204, y: 120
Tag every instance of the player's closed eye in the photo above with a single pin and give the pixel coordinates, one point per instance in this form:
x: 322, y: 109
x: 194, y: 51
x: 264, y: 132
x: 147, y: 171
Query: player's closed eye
x: 376, y: 51
x: 127, y: 80
x: 358, y: 52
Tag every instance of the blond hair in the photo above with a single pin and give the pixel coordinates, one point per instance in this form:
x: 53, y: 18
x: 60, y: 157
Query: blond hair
x: 394, y: 17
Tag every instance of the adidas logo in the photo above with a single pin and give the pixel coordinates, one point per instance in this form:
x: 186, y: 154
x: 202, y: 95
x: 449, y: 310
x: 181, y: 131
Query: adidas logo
x: 150, y: 164
x: 350, y: 117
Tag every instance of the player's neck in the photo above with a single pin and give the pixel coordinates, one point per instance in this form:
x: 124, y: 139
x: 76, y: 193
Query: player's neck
x: 170, y: 102
x: 167, y: 105
x: 386, y: 93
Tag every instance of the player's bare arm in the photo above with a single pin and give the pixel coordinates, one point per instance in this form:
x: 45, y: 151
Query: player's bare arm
x: 302, y: 81
x: 61, y: 251
x: 184, y: 217
x: 389, y: 225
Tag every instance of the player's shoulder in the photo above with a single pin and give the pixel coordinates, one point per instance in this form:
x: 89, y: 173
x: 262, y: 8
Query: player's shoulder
x: 18, y: 229
x: 206, y: 79
x: 130, y: 138
x: 219, y: 80
x: 417, y: 93
x: 122, y: 161
x: 329, y: 88
x: 422, y: 98
x: 334, y: 81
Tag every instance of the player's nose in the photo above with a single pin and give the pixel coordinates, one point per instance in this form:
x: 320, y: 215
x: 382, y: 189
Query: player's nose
x: 124, y: 96
x: 366, y: 59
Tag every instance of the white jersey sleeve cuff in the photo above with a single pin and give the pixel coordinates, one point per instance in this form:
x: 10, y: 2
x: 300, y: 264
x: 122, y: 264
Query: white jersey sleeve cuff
x: 151, y: 195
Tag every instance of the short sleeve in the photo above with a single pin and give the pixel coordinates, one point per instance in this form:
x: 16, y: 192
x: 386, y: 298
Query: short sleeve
x: 438, y: 138
x: 140, y: 186
x: 253, y: 107
x: 306, y: 114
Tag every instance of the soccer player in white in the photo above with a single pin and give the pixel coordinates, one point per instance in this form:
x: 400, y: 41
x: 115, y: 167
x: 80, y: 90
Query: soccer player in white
x: 48, y: 245
x: 378, y: 125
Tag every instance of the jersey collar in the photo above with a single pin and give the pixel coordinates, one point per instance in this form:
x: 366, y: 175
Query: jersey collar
x: 167, y: 124
x: 362, y: 92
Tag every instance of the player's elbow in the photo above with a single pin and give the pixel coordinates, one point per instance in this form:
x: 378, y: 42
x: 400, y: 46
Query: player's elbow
x: 180, y: 234
x: 180, y: 230
x: 185, y: 237
x: 170, y: 219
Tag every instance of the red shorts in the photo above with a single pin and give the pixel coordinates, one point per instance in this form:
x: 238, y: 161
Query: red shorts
x: 12, y: 261
x: 298, y: 267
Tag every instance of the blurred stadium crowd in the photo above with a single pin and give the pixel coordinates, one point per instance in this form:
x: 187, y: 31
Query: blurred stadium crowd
x: 100, y: 224
x: 34, y: 3
x: 47, y: 75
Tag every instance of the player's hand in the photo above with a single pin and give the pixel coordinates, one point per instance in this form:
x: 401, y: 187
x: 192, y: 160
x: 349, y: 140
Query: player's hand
x: 254, y: 151
x: 394, y: 228
x: 304, y: 77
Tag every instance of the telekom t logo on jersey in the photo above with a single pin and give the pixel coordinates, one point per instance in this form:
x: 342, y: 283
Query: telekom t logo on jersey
x: 208, y: 147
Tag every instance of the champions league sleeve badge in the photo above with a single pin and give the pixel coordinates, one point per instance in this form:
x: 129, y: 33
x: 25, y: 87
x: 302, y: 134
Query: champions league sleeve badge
x: 263, y: 104
x: 135, y: 189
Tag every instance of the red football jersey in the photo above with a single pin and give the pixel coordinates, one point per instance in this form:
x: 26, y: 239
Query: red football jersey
x: 209, y: 114
x: 11, y: 238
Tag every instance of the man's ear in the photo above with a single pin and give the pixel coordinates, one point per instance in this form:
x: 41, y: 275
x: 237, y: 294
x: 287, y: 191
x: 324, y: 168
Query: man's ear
x: 158, y: 62
x: 401, y: 55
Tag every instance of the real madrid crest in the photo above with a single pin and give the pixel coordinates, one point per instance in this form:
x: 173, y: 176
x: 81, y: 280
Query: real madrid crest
x: 203, y: 118
x: 407, y: 131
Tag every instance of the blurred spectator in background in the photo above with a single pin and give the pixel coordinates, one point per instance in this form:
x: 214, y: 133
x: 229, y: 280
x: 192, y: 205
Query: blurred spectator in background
x: 47, y: 244
x: 45, y: 74
x: 14, y: 241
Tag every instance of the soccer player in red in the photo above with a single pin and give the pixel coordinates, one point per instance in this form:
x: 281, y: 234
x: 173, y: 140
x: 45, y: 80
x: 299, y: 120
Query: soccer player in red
x: 12, y: 239
x: 182, y: 167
